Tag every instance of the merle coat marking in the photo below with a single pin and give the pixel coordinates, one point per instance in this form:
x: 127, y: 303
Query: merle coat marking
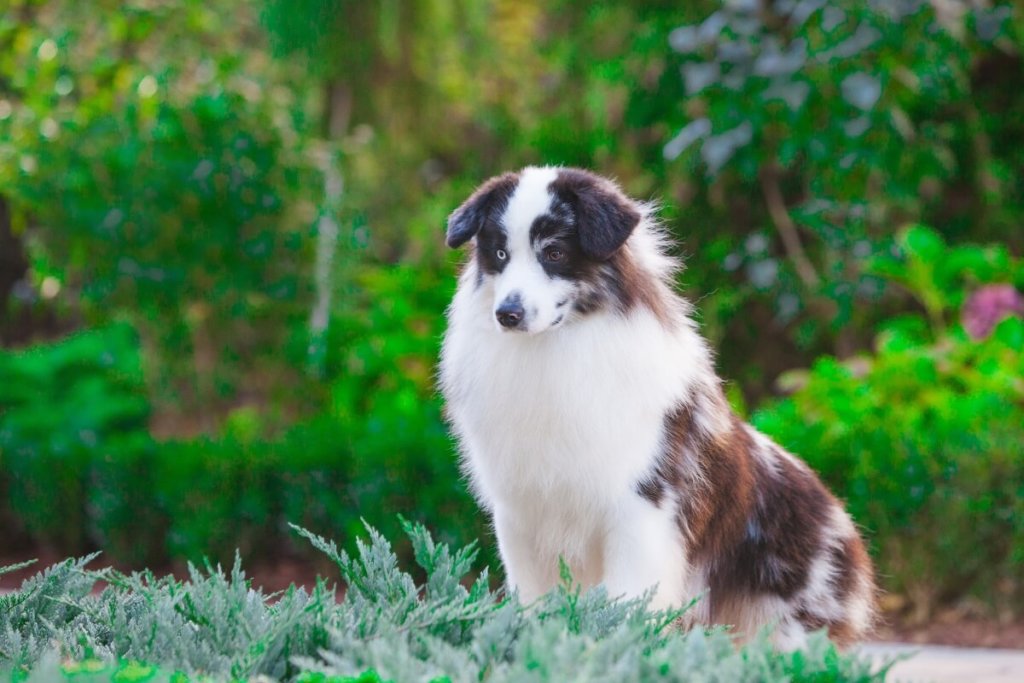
x: 594, y: 429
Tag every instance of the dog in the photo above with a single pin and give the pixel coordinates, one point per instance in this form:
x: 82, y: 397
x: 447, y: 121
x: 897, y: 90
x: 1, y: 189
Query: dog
x: 594, y: 430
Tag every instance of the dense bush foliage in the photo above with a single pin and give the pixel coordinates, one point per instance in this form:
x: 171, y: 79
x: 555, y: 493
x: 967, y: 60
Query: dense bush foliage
x: 834, y: 124
x: 238, y: 208
x: 81, y: 471
x: 66, y: 408
x: 388, y: 626
x: 925, y: 437
x: 165, y: 181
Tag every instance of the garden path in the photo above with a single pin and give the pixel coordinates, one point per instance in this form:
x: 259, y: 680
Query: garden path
x: 944, y: 664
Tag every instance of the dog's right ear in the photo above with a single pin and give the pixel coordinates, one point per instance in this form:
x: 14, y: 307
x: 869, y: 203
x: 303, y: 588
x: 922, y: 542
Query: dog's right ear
x: 490, y: 198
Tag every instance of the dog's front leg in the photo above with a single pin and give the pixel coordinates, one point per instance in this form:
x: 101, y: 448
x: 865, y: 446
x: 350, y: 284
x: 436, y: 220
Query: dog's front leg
x: 524, y: 570
x: 643, y: 549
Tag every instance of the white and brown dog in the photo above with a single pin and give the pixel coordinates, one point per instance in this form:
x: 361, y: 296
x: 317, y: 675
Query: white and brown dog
x: 594, y: 428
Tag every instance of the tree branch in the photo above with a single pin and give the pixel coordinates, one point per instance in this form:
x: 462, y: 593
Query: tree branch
x: 769, y: 177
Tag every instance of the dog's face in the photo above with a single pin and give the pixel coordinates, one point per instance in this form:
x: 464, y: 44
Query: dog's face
x: 544, y: 239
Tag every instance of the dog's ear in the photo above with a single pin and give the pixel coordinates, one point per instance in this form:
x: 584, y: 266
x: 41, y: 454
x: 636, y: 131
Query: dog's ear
x: 490, y: 198
x: 604, y: 215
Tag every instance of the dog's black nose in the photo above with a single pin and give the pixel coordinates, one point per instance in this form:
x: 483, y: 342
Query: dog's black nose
x: 510, y: 314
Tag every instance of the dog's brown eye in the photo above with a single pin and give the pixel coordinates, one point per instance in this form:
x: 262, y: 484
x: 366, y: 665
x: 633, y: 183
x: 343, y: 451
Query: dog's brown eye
x: 554, y: 255
x: 500, y: 253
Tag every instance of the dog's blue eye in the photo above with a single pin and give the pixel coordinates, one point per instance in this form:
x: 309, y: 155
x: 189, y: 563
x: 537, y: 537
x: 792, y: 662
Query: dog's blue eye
x: 500, y: 253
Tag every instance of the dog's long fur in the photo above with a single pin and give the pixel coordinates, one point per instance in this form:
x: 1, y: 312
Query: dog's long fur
x: 594, y: 428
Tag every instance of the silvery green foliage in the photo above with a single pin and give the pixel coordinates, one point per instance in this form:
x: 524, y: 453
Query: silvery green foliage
x: 406, y: 632
x: 217, y: 625
x: 32, y: 618
x: 214, y: 622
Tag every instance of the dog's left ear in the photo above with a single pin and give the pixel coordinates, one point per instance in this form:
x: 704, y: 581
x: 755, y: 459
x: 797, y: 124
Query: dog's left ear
x: 604, y: 215
x: 490, y: 198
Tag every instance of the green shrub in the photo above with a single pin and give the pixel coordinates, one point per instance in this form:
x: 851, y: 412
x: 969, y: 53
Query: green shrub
x: 124, y: 518
x: 82, y: 470
x: 169, y: 185
x: 810, y: 132
x: 149, y: 502
x: 64, y: 408
x: 388, y: 627
x: 385, y: 411
x: 925, y: 438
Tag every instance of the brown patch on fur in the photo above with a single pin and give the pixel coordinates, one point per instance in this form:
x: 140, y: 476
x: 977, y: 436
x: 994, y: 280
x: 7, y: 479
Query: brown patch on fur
x: 714, y: 479
x: 639, y: 287
x: 716, y: 516
x: 783, y: 531
x: 851, y: 561
x: 651, y: 488
x: 753, y: 519
x: 810, y: 620
x: 843, y: 633
x: 667, y: 472
x: 853, y: 565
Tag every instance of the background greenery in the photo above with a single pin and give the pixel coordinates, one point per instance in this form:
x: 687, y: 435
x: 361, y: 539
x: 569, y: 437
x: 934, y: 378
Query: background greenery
x: 222, y: 273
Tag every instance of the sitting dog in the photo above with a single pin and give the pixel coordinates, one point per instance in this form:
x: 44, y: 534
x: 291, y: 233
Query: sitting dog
x: 594, y: 429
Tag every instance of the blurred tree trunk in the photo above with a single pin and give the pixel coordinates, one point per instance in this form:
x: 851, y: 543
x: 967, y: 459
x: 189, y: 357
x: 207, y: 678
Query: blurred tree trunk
x: 13, y: 267
x: 337, y: 114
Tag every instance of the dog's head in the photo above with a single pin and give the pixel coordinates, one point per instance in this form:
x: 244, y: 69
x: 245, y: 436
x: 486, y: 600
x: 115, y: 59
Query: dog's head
x: 544, y: 237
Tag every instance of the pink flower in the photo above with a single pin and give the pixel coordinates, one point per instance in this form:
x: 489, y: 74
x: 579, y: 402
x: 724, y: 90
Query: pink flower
x: 986, y: 307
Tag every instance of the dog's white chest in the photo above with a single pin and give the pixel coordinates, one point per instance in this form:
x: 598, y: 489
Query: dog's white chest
x: 567, y: 421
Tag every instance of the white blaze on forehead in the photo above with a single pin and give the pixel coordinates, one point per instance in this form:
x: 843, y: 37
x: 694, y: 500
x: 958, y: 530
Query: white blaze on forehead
x: 531, y: 198
x: 542, y: 297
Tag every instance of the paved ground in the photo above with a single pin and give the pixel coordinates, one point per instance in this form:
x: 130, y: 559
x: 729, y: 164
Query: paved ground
x: 942, y: 664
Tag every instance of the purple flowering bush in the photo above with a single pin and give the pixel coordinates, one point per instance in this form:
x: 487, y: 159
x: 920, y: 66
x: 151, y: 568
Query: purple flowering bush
x: 987, y: 306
